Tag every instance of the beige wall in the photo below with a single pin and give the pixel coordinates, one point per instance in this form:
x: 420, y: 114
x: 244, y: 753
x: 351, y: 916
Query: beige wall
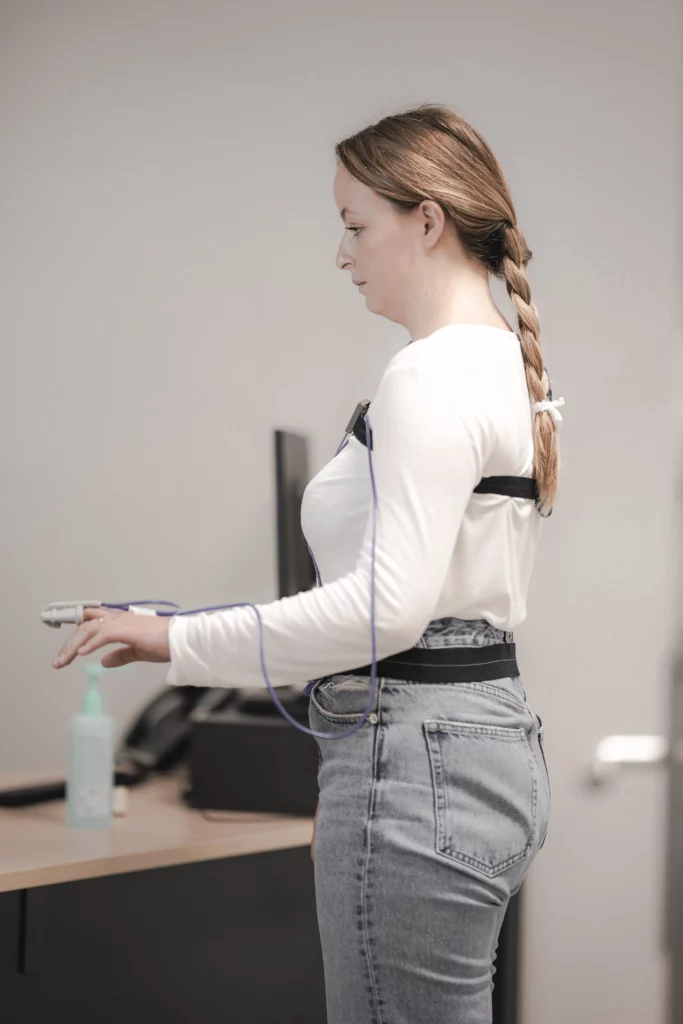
x: 170, y: 296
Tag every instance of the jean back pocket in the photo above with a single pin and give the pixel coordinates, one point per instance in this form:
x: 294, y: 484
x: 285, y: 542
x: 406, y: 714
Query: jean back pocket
x: 485, y: 791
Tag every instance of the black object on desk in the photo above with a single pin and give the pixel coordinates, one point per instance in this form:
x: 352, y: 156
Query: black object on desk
x: 42, y: 792
x: 248, y: 757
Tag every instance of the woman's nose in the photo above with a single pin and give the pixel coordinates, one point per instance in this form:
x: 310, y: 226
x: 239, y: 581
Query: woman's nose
x: 343, y: 258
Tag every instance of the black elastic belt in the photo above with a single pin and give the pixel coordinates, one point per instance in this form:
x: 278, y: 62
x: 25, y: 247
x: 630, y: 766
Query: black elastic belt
x: 447, y: 664
x: 510, y: 486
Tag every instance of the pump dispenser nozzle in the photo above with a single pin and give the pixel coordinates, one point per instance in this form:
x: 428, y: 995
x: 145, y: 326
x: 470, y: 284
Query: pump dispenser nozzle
x: 92, y: 698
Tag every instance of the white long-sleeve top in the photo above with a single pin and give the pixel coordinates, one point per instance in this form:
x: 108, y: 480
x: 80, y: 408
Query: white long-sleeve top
x: 449, y: 409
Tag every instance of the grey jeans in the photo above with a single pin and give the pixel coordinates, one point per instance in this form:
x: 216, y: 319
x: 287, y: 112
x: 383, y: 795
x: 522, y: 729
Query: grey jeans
x: 430, y: 816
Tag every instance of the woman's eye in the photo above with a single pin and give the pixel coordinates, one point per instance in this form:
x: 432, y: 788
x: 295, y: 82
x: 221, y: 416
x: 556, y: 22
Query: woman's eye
x: 354, y: 229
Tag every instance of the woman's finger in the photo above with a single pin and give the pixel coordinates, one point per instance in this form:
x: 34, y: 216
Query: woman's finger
x: 100, y: 637
x: 121, y: 656
x: 81, y: 636
x: 98, y: 612
x: 90, y: 627
x: 87, y: 629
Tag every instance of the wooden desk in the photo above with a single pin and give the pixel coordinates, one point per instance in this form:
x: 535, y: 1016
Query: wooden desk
x: 37, y: 848
x: 164, y: 916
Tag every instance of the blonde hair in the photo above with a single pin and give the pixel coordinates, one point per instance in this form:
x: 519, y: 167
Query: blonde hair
x: 430, y: 152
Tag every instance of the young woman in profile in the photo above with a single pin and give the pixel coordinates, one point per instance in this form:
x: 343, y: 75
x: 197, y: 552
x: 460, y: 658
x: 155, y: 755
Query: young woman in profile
x: 432, y: 812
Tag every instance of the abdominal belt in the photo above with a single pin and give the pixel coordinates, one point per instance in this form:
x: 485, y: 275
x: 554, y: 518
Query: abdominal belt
x: 447, y: 664
x: 451, y: 664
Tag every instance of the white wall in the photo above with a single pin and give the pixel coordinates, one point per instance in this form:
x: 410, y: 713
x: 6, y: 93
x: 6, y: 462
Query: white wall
x: 170, y: 297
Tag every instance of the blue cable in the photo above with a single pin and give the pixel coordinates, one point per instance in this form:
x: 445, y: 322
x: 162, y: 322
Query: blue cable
x: 247, y: 604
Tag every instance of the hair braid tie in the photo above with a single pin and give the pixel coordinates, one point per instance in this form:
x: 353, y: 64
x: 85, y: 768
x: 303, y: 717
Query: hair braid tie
x: 551, y: 407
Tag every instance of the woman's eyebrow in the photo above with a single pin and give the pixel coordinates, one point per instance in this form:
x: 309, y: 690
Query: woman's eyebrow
x: 346, y: 211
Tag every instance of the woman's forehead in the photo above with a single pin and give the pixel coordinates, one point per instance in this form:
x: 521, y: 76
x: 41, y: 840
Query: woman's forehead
x: 350, y: 194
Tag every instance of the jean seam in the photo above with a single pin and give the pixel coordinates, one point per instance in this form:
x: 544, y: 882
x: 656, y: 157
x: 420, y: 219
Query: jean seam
x: 510, y: 733
x: 535, y: 721
x: 495, y: 941
x: 495, y: 691
x: 367, y: 923
x: 547, y: 779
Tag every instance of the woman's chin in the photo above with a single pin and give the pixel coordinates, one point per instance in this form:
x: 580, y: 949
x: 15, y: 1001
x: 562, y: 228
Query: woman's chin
x: 373, y: 305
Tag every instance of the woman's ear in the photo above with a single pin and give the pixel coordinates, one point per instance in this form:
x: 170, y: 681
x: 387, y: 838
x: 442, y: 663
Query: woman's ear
x: 432, y: 220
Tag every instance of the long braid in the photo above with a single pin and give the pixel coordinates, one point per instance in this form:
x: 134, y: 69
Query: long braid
x: 546, y: 446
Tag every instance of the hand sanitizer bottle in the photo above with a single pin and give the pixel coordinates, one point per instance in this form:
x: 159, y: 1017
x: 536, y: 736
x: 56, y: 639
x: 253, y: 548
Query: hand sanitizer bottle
x: 90, y: 776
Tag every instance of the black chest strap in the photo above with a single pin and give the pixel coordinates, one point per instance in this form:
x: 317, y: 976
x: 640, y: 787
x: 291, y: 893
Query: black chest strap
x: 510, y: 486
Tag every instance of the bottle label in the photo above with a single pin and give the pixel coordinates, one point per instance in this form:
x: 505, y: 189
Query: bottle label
x: 91, y: 774
x: 91, y: 801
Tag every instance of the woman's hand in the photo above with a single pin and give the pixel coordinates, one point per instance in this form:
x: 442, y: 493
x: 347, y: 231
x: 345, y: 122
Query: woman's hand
x: 145, y: 637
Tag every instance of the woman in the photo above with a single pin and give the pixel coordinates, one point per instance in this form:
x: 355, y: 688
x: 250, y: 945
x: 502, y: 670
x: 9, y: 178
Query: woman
x: 432, y: 812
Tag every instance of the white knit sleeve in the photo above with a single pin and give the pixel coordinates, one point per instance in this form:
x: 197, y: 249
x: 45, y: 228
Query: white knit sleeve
x: 428, y: 454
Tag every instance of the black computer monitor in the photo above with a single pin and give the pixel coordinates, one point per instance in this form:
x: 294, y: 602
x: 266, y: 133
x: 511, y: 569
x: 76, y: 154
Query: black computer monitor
x: 295, y: 566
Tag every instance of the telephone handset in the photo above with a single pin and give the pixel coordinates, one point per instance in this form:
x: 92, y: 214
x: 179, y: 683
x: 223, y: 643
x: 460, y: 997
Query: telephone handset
x: 159, y: 736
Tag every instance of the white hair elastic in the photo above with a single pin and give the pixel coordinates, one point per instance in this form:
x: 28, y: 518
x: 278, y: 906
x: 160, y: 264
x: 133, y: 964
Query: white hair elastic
x: 551, y: 407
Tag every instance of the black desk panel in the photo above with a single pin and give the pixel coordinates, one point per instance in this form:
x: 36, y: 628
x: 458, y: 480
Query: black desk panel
x: 227, y: 940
